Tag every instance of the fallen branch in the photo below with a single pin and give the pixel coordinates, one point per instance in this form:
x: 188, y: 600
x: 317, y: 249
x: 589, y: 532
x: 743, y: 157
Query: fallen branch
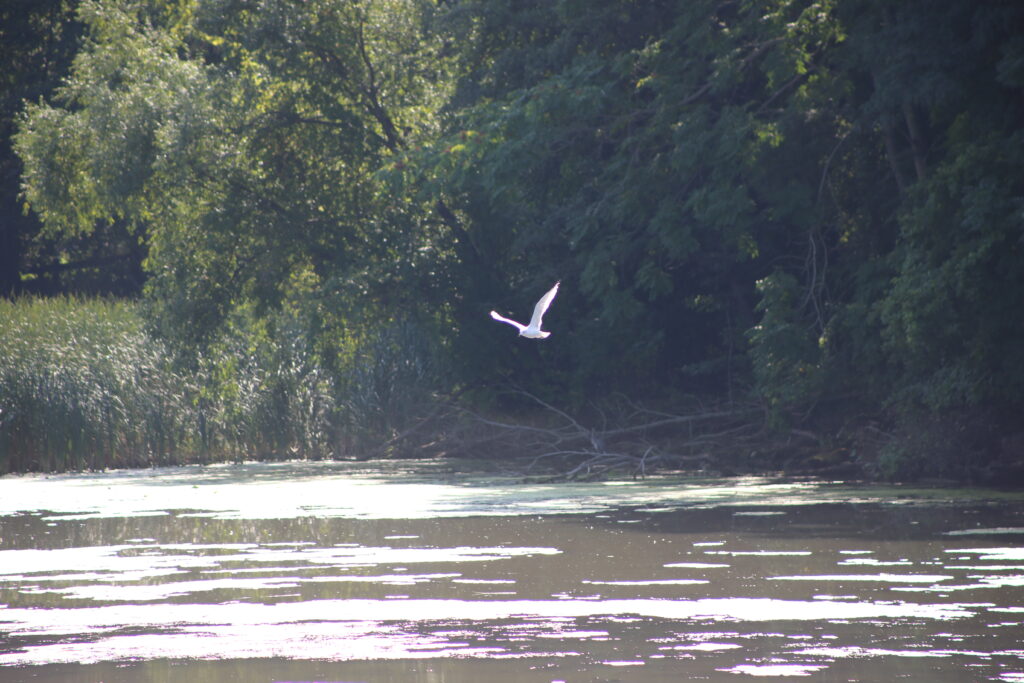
x: 638, y: 440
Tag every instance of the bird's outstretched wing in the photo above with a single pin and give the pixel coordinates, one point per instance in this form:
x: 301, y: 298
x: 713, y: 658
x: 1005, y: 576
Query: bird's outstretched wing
x: 513, y: 323
x: 542, y: 306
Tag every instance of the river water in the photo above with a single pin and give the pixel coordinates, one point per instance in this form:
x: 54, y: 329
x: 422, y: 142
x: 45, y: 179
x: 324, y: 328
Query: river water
x: 334, y: 572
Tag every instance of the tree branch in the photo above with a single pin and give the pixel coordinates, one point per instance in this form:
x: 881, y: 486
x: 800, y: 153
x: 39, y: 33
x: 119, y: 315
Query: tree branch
x: 576, y: 449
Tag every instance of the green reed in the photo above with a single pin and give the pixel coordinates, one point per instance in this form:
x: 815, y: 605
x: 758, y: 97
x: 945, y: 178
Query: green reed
x: 84, y: 386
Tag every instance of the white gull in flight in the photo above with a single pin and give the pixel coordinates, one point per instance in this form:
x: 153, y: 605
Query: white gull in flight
x: 532, y: 331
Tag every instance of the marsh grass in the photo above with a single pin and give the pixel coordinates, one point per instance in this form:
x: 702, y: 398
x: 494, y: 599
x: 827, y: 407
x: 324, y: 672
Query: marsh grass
x: 84, y: 386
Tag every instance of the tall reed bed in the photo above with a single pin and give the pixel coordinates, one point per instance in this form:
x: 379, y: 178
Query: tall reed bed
x: 83, y: 386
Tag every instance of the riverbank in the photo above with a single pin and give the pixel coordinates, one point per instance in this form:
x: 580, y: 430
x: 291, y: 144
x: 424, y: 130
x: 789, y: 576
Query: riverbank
x: 84, y: 387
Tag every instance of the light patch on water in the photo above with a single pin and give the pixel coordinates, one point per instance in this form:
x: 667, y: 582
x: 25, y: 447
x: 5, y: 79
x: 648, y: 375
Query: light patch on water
x: 758, y: 553
x: 143, y: 593
x: 995, y: 531
x: 775, y: 669
x: 266, y: 569
x: 987, y: 567
x: 71, y: 517
x: 119, y: 561
x: 648, y: 582
x: 386, y: 555
x: 409, y: 490
x: 854, y: 651
x: 385, y: 579
x: 162, y: 591
x: 262, y: 624
x: 412, y: 491
x: 706, y: 647
x: 985, y: 582
x: 706, y: 636
x: 856, y: 552
x: 835, y: 597
x: 112, y: 576
x: 105, y: 559
x: 993, y: 554
x: 884, y: 578
x: 695, y: 565
x: 758, y: 513
x: 299, y: 489
x: 332, y: 641
x: 575, y: 634
x: 281, y: 544
x: 872, y: 562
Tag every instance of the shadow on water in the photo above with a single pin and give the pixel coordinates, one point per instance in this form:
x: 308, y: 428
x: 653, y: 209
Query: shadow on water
x: 314, y: 572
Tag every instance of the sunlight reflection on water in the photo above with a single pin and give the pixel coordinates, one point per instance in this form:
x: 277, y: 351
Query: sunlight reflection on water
x: 296, y: 564
x: 286, y: 629
x: 294, y: 489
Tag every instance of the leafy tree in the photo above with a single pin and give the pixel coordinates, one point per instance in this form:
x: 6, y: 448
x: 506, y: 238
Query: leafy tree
x: 945, y: 99
x: 667, y: 157
x: 627, y: 147
x: 241, y: 142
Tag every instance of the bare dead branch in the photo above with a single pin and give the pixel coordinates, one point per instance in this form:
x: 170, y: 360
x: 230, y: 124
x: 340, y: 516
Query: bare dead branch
x: 628, y: 438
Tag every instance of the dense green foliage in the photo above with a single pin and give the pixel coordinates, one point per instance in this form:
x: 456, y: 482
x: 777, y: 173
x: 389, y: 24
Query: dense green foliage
x: 797, y: 200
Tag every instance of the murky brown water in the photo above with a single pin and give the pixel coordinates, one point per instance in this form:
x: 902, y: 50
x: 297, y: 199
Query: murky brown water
x: 307, y: 572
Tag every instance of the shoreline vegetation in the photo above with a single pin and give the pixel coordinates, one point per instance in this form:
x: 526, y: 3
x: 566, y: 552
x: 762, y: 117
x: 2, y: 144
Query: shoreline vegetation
x: 788, y: 234
x: 83, y: 386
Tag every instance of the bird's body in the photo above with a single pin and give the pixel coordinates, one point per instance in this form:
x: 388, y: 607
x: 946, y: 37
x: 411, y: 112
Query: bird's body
x: 532, y: 331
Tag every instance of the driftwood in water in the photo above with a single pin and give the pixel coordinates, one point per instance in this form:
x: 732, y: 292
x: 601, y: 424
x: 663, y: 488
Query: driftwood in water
x: 635, y: 440
x: 621, y: 437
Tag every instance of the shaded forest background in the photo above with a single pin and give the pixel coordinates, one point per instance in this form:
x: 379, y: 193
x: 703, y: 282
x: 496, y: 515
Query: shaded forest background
x: 810, y: 214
